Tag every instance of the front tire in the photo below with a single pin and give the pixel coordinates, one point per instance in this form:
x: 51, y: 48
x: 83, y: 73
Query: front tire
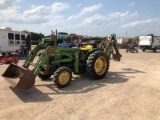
x: 62, y: 77
x: 97, y: 65
x: 143, y: 49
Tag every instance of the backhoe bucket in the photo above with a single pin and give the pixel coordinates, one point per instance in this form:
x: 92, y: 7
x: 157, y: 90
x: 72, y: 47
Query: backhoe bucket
x: 117, y: 57
x: 19, y: 77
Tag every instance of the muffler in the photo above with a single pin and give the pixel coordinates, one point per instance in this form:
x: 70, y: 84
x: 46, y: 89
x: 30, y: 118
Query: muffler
x: 19, y: 77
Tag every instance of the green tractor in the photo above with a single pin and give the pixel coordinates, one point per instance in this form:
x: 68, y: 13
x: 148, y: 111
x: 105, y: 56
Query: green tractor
x: 60, y: 37
x: 61, y: 62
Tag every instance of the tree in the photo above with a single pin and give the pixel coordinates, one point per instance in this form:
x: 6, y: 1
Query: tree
x: 36, y: 36
x: 26, y: 31
x: 134, y: 39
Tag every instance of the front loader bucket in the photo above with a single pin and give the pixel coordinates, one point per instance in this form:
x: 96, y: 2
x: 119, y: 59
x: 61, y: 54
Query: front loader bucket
x: 19, y: 77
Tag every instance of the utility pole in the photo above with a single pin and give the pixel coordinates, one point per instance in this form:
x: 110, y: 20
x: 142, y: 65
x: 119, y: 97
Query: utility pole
x: 126, y: 34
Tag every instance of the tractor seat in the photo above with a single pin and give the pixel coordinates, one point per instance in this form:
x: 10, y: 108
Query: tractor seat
x: 87, y: 47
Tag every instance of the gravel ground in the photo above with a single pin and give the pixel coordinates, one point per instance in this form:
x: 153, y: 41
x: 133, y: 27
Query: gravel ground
x: 130, y: 91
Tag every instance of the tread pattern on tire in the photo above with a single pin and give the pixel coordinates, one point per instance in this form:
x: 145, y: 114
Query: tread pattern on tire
x: 56, y: 75
x: 90, y: 65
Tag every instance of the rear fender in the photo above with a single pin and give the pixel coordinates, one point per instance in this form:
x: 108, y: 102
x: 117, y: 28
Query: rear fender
x: 90, y: 52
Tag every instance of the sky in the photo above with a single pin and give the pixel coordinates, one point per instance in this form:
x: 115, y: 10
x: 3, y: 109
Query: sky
x: 125, y: 18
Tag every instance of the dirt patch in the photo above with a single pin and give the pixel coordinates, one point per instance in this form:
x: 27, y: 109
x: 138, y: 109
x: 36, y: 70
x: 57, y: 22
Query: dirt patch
x: 130, y: 91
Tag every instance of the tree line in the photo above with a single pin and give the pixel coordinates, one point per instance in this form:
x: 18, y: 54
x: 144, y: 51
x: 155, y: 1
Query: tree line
x: 35, y: 37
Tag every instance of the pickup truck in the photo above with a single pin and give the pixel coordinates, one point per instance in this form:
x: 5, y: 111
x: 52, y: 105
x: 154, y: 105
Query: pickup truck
x: 65, y: 44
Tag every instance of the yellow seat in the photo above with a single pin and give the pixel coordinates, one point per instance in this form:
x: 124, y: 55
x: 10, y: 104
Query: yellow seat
x: 87, y: 47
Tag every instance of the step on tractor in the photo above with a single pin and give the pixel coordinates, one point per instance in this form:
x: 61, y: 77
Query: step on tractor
x: 61, y: 62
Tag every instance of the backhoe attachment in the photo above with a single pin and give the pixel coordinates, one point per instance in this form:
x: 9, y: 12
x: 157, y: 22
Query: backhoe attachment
x: 117, y: 57
x: 112, y: 48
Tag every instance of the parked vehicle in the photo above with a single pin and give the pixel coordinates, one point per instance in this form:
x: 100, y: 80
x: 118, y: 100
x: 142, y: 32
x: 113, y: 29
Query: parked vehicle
x: 132, y: 47
x: 8, y: 59
x: 61, y: 62
x: 149, y: 42
x: 62, y: 38
x: 13, y: 41
x: 65, y: 44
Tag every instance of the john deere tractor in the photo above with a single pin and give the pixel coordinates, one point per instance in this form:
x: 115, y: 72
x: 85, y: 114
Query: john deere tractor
x: 61, y: 62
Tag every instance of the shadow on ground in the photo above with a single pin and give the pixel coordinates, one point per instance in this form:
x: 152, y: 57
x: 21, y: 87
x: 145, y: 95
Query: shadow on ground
x: 31, y: 95
x: 79, y: 85
x: 151, y: 51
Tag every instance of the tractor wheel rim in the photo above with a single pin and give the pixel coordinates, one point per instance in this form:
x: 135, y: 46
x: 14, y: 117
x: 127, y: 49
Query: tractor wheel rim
x: 100, y: 65
x: 64, y: 78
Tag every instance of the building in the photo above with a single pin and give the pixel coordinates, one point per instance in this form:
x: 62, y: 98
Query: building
x: 122, y: 41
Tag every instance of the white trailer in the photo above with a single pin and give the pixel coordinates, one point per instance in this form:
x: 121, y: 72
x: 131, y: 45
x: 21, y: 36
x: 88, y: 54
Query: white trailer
x: 122, y: 42
x: 149, y: 42
x: 12, y: 41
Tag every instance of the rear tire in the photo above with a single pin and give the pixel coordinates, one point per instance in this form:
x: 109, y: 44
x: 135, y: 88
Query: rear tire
x: 1, y: 63
x: 62, y: 77
x: 3, y: 54
x: 155, y: 50
x: 136, y: 48
x: 97, y: 65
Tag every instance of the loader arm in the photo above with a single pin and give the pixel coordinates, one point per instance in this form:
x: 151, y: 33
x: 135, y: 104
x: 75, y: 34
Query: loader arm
x: 32, y: 55
x: 43, y: 58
